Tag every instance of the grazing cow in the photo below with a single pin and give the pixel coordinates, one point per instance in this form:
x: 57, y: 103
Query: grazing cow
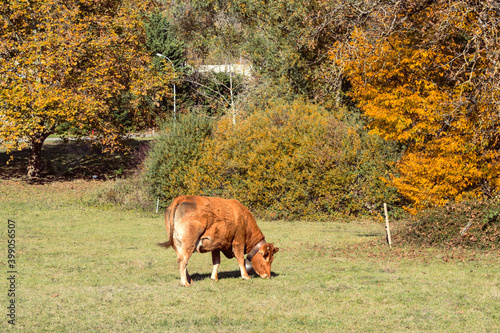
x: 206, y: 224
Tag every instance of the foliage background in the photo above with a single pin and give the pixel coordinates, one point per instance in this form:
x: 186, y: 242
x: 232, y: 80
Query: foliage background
x: 350, y: 104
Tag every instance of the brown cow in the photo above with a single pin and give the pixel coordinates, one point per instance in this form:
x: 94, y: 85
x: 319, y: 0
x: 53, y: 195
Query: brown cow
x: 206, y: 224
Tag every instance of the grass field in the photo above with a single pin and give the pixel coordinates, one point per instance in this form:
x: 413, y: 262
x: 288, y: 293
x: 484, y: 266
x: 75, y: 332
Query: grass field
x: 87, y: 269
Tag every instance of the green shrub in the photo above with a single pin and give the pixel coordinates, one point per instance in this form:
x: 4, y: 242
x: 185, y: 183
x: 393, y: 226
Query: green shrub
x: 169, y: 161
x: 294, y: 160
x: 468, y: 224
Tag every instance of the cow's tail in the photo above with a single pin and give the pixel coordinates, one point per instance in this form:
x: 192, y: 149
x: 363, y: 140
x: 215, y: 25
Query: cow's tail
x: 169, y: 223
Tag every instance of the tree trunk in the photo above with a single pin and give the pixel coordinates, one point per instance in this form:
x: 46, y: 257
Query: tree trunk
x: 35, y: 156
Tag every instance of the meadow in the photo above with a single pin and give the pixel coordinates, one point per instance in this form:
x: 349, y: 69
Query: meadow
x: 82, y: 268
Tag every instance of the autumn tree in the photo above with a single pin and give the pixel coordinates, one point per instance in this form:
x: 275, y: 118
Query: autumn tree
x: 71, y: 62
x: 426, y: 73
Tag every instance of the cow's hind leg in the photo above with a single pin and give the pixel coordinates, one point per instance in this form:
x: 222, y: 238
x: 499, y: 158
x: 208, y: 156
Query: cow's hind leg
x: 184, y: 251
x: 216, y: 263
x: 185, y: 237
x: 186, y: 280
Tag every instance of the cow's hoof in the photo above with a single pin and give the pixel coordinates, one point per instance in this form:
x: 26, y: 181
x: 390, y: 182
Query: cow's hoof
x: 246, y: 277
x: 187, y: 284
x: 214, y: 278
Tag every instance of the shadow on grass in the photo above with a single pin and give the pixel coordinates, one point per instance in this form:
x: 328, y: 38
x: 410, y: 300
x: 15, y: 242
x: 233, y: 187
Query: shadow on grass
x: 75, y: 160
x: 226, y: 275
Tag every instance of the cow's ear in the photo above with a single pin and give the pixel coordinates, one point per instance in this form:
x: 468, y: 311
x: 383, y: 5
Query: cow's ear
x: 266, y: 252
x: 276, y: 249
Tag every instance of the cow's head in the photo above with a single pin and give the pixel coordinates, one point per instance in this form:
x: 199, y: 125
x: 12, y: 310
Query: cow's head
x: 263, y: 259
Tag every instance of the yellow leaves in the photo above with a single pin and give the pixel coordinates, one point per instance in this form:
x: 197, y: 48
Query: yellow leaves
x: 62, y: 62
x: 421, y: 87
x: 435, y: 176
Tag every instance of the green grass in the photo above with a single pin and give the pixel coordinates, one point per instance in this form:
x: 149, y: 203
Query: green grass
x: 87, y: 269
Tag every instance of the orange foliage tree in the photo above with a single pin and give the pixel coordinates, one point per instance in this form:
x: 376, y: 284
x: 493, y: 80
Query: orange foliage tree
x: 69, y: 62
x: 426, y: 73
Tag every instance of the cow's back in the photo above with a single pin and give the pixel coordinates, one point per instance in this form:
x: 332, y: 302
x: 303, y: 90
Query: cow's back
x: 223, y: 220
x: 223, y: 217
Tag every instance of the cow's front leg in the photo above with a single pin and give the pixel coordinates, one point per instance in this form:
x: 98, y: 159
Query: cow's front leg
x: 239, y: 253
x: 216, y: 263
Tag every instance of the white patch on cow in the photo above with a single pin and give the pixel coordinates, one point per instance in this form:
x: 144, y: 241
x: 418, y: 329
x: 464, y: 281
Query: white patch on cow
x: 214, y: 275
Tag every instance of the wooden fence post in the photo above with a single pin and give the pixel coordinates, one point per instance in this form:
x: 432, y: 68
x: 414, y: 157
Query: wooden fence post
x: 387, y: 226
